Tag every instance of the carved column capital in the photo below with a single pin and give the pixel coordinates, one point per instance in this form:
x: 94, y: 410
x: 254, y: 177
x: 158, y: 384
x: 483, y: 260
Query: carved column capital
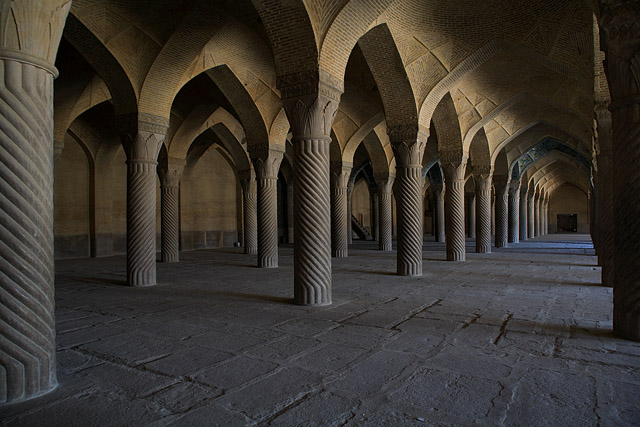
x: 514, y: 187
x: 409, y: 152
x: 142, y: 135
x: 170, y: 171
x: 384, y: 184
x: 340, y: 172
x: 267, y: 163
x: 454, y: 164
x: 311, y: 116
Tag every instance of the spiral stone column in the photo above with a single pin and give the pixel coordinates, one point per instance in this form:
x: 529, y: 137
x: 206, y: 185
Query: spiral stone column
x: 524, y: 211
x: 438, y: 195
x: 514, y: 211
x: 501, y: 185
x: 375, y: 209
x: 339, y: 227
x: 621, y: 43
x: 483, y: 177
x: 27, y: 327
x: 544, y: 214
x: 385, y: 184
x: 454, y: 164
x: 311, y: 106
x: 408, y: 186
x: 266, y: 167
x: 536, y: 214
x: 349, y: 211
x: 290, y: 211
x: 250, y: 211
x: 470, y: 199
x: 170, y: 171
x: 531, y: 210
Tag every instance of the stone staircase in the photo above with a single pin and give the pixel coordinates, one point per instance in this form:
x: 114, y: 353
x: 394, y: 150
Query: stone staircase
x: 359, y: 229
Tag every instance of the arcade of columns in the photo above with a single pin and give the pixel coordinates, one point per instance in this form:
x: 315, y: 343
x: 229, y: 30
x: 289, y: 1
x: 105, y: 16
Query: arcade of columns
x: 312, y: 98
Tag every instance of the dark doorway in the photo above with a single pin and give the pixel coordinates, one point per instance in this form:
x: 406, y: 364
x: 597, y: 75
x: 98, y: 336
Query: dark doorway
x: 567, y: 222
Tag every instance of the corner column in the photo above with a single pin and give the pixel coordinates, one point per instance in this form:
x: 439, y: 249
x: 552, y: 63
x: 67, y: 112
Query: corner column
x: 266, y: 166
x: 249, y: 211
x: 408, y: 151
x: 27, y: 324
x: 454, y: 165
x: 385, y: 185
x: 514, y: 211
x: 483, y: 176
x: 170, y: 171
x: 339, y: 179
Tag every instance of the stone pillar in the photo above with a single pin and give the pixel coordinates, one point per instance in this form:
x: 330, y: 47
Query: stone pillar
x: 266, y: 165
x: 349, y: 211
x: 290, y: 211
x: 483, y: 176
x: 408, y: 151
x: 514, y: 211
x: 249, y: 211
x: 524, y: 210
x: 311, y: 112
x: 27, y: 327
x: 544, y: 214
x: 536, y: 214
x: 620, y: 40
x: 501, y: 185
x: 339, y: 227
x: 531, y: 211
x: 170, y: 171
x: 438, y: 196
x: 385, y: 185
x: 470, y: 199
x: 454, y: 165
x: 375, y: 209
x: 605, y: 198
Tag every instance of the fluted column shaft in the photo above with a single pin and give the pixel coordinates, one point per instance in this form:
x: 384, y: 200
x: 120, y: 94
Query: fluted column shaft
x: 385, y: 240
x: 471, y: 215
x: 408, y: 186
x: 524, y: 211
x: 250, y: 213
x: 501, y: 186
x: 438, y: 195
x: 170, y: 171
x: 531, y: 217
x: 266, y: 168
x: 454, y: 170
x: 621, y: 43
x: 375, y: 209
x: 483, y: 212
x: 514, y: 211
x: 536, y: 215
x: 339, y: 226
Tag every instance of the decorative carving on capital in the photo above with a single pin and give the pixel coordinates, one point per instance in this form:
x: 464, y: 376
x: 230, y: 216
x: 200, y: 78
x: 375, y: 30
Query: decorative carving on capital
x: 142, y: 135
x: 269, y: 165
x: 500, y: 182
x: 311, y: 116
x: 409, y: 153
x: 340, y: 173
x: 454, y: 171
x: 384, y: 182
x: 514, y: 187
x: 170, y: 171
x: 30, y: 31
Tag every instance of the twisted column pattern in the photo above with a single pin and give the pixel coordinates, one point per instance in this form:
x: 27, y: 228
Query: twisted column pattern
x: 169, y: 224
x: 523, y: 214
x: 349, y: 211
x: 438, y: 194
x: 339, y: 241
x: 312, y: 219
x: 483, y: 214
x: 531, y: 217
x: 339, y: 224
x: 536, y: 215
x: 410, y: 229
x: 385, y: 241
x: 514, y: 212
x: 375, y: 209
x: 141, y: 222
x: 27, y: 329
x: 454, y: 205
x: 502, y: 216
x: 471, y: 215
x: 267, y: 221
x: 249, y: 198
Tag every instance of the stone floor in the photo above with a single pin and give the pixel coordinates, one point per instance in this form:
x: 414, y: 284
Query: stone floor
x: 518, y: 337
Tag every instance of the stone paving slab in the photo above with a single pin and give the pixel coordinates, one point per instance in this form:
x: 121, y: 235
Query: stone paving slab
x: 521, y: 336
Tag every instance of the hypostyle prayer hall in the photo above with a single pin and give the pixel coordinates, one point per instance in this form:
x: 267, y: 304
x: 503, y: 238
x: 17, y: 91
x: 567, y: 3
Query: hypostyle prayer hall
x: 319, y: 212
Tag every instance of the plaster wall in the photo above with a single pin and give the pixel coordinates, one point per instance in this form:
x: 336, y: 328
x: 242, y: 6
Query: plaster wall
x: 569, y: 199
